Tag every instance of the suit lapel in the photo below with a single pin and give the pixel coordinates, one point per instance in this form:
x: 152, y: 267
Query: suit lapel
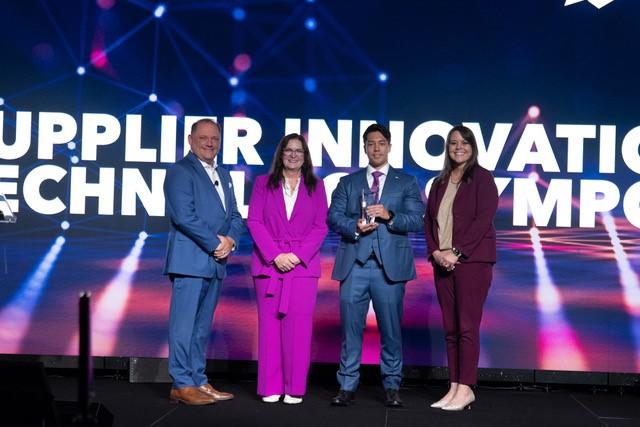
x: 439, y: 195
x: 442, y: 188
x: 462, y: 188
x: 202, y: 173
x: 279, y: 202
x: 361, y: 183
x: 301, y: 199
x: 225, y: 182
x: 391, y: 180
x: 461, y: 191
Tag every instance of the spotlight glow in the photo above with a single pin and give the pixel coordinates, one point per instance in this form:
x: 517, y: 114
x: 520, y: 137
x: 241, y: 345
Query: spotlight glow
x: 71, y: 145
x: 65, y: 225
x: 233, y: 81
x: 626, y: 275
x: 106, y: 4
x: 74, y: 159
x: 99, y: 58
x: 1, y: 101
x: 383, y: 77
x: 238, y: 97
x: 559, y: 344
x: 143, y: 235
x: 111, y: 305
x: 310, y: 84
x: 534, y: 112
x: 311, y: 24
x: 175, y: 108
x: 15, y: 317
x: 239, y: 14
x: 81, y: 70
x: 160, y: 10
x: 153, y: 97
x: 534, y: 176
x: 242, y: 62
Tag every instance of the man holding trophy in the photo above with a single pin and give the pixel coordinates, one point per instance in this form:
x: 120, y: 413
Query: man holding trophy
x: 373, y: 210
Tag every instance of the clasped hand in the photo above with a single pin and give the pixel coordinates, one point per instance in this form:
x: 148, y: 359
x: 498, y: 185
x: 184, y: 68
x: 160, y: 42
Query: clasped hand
x: 224, y: 248
x: 378, y: 211
x: 446, y: 259
x: 286, y: 261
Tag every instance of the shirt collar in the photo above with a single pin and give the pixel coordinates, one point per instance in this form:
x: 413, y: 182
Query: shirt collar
x: 384, y: 169
x: 207, y: 165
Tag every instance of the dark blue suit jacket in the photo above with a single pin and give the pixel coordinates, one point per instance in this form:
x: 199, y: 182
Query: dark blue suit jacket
x: 401, y: 195
x: 197, y: 217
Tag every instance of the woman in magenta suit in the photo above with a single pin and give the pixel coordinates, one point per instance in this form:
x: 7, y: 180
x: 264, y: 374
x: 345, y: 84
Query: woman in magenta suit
x: 287, y: 220
x: 461, y: 243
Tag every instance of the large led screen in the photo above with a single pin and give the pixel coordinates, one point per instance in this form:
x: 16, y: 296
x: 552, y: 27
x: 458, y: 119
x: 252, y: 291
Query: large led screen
x: 97, y: 97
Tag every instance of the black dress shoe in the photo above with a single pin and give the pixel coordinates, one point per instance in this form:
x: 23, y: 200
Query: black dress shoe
x: 393, y: 398
x: 343, y: 398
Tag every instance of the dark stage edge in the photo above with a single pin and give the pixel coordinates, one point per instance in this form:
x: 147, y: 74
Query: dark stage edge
x: 146, y: 404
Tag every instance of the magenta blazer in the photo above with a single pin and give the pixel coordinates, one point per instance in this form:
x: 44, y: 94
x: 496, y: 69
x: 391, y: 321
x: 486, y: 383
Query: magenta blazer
x: 474, y: 208
x: 273, y: 233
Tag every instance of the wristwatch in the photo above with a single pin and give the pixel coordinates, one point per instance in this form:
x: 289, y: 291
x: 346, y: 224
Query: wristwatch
x: 391, y: 216
x: 456, y: 252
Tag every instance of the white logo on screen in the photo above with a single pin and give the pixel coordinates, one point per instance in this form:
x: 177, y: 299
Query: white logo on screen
x: 597, y: 3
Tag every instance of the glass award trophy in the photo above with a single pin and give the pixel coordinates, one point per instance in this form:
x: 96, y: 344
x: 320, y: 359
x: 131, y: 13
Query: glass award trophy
x: 367, y: 198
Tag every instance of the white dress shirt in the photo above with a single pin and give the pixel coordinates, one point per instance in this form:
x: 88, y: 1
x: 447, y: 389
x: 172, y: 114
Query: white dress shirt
x: 215, y: 179
x: 381, y: 180
x: 290, y: 196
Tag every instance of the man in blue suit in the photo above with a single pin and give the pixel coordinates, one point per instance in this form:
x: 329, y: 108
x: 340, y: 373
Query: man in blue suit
x: 374, y: 261
x: 205, y: 226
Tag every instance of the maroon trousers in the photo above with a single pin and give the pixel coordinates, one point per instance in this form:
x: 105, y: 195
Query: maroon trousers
x: 461, y: 294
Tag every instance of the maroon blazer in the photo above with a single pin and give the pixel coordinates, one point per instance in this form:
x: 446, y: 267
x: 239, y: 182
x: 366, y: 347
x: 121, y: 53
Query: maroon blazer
x: 273, y: 233
x: 474, y: 208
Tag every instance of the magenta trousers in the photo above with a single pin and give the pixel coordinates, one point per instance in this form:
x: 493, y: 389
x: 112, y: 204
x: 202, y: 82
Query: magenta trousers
x: 461, y: 294
x: 284, y: 340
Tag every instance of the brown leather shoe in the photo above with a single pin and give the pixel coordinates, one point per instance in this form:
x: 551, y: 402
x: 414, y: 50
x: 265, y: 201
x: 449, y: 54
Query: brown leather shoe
x: 217, y: 395
x: 190, y: 396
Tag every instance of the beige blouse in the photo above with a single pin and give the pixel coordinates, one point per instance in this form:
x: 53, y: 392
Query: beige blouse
x: 445, y: 216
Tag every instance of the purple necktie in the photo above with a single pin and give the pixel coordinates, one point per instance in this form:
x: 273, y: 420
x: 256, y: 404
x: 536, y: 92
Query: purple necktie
x: 375, y: 187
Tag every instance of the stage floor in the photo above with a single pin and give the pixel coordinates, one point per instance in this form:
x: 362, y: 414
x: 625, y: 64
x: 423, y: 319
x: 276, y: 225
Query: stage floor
x: 147, y: 405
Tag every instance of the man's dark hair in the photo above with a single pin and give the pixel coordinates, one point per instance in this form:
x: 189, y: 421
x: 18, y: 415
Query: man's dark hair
x: 376, y: 127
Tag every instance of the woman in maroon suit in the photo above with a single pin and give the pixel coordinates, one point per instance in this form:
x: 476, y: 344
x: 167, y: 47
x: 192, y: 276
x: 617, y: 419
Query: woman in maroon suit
x: 461, y: 243
x: 287, y: 220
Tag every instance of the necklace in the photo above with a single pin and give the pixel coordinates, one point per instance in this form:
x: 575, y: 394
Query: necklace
x: 455, y: 182
x: 290, y: 191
